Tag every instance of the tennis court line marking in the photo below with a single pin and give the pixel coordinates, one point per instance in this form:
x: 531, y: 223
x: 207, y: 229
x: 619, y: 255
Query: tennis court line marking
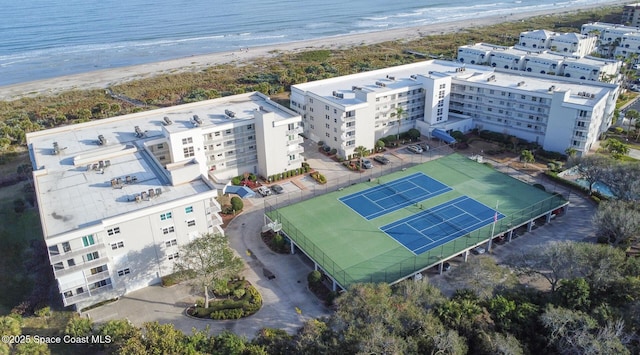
x: 407, y: 203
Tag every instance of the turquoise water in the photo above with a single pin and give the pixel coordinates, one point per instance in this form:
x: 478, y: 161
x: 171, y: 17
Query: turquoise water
x: 598, y: 186
x: 44, y: 39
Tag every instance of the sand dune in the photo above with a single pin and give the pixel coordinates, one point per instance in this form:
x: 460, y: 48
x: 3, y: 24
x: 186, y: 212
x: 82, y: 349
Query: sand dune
x: 108, y: 77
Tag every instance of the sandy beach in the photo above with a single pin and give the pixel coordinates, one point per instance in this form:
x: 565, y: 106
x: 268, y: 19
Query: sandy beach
x: 108, y: 77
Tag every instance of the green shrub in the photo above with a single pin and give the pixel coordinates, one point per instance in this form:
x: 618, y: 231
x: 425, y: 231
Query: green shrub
x: 43, y: 312
x: 237, y: 204
x: 238, y: 293
x: 236, y: 180
x: 314, y: 277
x: 253, y: 177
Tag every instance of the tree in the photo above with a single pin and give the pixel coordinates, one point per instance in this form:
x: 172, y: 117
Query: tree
x: 157, y: 339
x: 32, y: 348
x: 398, y: 115
x: 592, y: 168
x: 413, y: 134
x: 237, y: 204
x: 527, y: 157
x: 361, y: 152
x: 120, y: 331
x: 574, y: 294
x: 482, y: 276
x: 78, y: 327
x: 624, y: 181
x: 210, y: 260
x: 617, y: 222
x: 617, y: 148
x: 380, y: 145
x: 632, y: 115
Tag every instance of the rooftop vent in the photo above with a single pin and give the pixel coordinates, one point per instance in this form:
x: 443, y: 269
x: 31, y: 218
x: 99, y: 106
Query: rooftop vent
x: 167, y: 121
x: 354, y: 88
x: 414, y: 77
x: 380, y: 83
x: 117, y: 183
x: 102, y: 140
x: 230, y: 113
x: 520, y: 83
x: 551, y: 88
x: 139, y: 132
x: 391, y: 77
x: 197, y: 120
x: 158, y: 191
x: 338, y: 95
x: 491, y: 78
x: 56, y: 148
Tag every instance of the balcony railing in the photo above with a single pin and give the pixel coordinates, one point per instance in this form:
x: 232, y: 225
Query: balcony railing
x: 86, y: 295
x: 296, y: 130
x: 55, y: 258
x: 81, y: 266
x: 295, y: 141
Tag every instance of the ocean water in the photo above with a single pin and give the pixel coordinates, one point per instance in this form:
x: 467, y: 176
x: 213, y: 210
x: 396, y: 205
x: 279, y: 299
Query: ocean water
x: 42, y: 39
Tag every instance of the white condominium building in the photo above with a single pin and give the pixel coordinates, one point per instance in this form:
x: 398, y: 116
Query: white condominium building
x: 540, y: 61
x: 118, y: 197
x: 631, y: 15
x: 574, y: 44
x: 614, y: 40
x: 556, y: 112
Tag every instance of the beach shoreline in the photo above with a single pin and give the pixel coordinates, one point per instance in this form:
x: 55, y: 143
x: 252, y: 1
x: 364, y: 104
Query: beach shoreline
x: 105, y: 78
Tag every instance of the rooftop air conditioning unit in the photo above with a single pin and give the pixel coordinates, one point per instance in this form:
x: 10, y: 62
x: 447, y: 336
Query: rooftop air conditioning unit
x: 102, y: 140
x: 197, y: 119
x: 230, y: 113
x: 139, y: 132
x: 167, y: 121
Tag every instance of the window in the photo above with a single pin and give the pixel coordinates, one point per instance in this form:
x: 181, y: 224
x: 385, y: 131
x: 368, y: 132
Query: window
x: 227, y: 131
x: 99, y: 284
x: 99, y: 269
x: 71, y: 262
x: 250, y: 126
x: 66, y: 247
x: 160, y: 146
x: 170, y: 243
x: 165, y: 216
x: 187, y: 140
x: 168, y: 230
x: 188, y: 209
x: 88, y: 240
x: 188, y: 152
x: 250, y: 138
x: 173, y: 256
x: 117, y: 245
x: 191, y: 223
x: 58, y: 266
x: 92, y: 256
x: 112, y: 231
x: 217, y: 134
x: 123, y: 272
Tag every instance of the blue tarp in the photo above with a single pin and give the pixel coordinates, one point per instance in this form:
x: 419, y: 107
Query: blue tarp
x: 241, y: 191
x: 440, y: 134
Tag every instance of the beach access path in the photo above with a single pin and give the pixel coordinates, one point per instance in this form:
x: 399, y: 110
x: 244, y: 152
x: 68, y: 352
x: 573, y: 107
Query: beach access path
x: 109, y: 77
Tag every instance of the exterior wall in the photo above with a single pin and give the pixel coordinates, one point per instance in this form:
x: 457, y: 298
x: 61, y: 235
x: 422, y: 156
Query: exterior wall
x: 280, y: 141
x: 231, y: 149
x: 539, y: 39
x: 473, y: 55
x: 631, y: 15
x: 507, y: 60
x: 133, y: 251
x: 541, y: 65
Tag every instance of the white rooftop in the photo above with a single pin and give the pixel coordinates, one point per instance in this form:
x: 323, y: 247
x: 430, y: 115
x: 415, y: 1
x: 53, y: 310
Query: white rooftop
x: 71, y: 195
x: 473, y: 73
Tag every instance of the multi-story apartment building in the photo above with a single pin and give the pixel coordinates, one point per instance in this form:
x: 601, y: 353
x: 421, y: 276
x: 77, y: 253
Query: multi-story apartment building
x: 614, y: 40
x: 631, y: 15
x: 556, y: 112
x: 540, y: 61
x: 574, y: 44
x: 119, y: 196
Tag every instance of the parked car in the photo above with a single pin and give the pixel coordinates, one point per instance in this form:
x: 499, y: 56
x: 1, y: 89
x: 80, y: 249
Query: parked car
x: 277, y: 189
x: 446, y: 266
x: 425, y: 147
x: 264, y: 191
x: 366, y: 163
x: 415, y: 149
x: 478, y: 250
x: 501, y: 239
x: 381, y: 159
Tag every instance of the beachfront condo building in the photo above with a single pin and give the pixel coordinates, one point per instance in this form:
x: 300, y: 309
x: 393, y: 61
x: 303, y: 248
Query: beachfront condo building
x: 631, y: 15
x: 118, y: 197
x: 541, y: 61
x: 555, y: 112
x: 614, y: 40
x: 569, y: 43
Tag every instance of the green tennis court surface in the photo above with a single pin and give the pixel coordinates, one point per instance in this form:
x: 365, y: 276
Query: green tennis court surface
x: 351, y: 248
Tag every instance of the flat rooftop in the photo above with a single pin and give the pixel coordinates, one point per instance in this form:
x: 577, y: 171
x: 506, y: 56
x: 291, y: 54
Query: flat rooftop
x: 472, y: 73
x: 74, y: 191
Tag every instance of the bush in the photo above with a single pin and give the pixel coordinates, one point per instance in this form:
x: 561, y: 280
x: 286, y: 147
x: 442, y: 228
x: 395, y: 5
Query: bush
x: 253, y: 177
x: 314, y: 277
x: 238, y: 293
x: 321, y: 179
x: 236, y: 180
x: 236, y: 204
x: 43, y: 312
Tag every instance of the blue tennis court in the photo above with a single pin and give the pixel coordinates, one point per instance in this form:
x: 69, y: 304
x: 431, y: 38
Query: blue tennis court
x: 394, y: 195
x: 441, y: 224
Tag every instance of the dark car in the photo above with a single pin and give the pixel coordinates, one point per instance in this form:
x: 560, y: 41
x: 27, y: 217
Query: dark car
x: 277, y: 189
x: 446, y: 266
x: 381, y: 159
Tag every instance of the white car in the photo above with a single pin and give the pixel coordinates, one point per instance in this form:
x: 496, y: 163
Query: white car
x: 415, y: 149
x: 478, y: 250
x: 264, y: 191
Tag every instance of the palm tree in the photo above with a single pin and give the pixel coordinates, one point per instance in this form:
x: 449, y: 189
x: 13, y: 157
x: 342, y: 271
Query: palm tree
x: 398, y: 115
x: 361, y: 151
x: 527, y: 157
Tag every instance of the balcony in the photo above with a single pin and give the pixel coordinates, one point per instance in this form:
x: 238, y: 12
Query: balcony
x: 68, y: 301
x: 295, y: 149
x: 81, y: 266
x: 297, y: 140
x: 97, y: 277
x: 55, y: 258
x: 296, y: 130
x: 296, y: 161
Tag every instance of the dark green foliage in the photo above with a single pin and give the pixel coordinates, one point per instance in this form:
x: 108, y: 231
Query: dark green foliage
x: 314, y: 277
x: 236, y: 204
x: 236, y: 180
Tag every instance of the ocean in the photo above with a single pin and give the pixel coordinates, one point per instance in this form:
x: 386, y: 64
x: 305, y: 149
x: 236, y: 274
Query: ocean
x: 42, y: 39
